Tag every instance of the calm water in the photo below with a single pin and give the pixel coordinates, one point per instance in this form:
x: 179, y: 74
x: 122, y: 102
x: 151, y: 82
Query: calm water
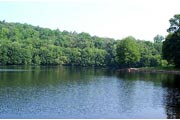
x: 71, y: 92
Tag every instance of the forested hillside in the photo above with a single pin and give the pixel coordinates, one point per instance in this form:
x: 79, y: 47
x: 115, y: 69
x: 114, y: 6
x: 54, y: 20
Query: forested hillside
x: 22, y: 44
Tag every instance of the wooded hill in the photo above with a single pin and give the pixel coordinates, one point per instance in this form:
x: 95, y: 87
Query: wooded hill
x: 22, y: 44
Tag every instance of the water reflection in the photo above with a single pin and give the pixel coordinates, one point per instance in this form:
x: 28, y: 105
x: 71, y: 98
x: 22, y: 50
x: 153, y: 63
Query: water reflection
x: 75, y: 92
x: 171, y: 85
x: 173, y: 97
x: 42, y: 76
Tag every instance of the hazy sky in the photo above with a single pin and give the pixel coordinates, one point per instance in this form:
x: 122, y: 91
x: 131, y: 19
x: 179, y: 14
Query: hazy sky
x: 142, y: 19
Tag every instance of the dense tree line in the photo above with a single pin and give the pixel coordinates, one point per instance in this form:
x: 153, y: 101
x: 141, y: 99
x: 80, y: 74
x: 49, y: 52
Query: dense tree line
x: 22, y: 44
x: 139, y: 53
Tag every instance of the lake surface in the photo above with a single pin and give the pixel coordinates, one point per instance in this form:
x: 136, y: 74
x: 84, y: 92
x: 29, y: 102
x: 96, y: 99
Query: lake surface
x: 75, y: 92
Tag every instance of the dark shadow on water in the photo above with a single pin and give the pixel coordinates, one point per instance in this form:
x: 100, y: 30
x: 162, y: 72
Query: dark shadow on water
x: 171, y: 84
x: 173, y: 98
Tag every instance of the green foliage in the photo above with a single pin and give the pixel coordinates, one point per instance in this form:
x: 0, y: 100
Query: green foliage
x: 158, y: 43
x: 158, y: 39
x: 127, y: 51
x: 174, y: 23
x: 22, y: 44
x: 139, y: 53
x: 171, y: 45
x: 150, y: 54
x: 171, y: 48
x: 164, y: 63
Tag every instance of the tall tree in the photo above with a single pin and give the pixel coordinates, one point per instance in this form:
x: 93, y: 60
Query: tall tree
x: 174, y: 23
x: 158, y: 39
x: 158, y: 43
x: 171, y: 46
x: 128, y: 52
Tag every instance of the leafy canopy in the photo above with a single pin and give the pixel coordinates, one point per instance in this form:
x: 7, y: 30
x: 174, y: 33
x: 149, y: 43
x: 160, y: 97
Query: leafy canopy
x: 127, y: 51
x: 171, y: 45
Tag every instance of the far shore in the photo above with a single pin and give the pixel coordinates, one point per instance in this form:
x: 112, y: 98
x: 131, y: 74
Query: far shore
x: 149, y: 70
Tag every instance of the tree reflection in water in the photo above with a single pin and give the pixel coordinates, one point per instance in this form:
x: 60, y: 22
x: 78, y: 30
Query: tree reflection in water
x: 173, y: 98
x: 171, y: 85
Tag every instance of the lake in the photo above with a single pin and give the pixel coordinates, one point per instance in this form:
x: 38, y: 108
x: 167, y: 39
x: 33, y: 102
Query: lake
x: 80, y: 92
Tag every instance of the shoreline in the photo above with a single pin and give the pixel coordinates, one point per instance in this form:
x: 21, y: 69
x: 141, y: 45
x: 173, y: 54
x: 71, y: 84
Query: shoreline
x: 145, y: 70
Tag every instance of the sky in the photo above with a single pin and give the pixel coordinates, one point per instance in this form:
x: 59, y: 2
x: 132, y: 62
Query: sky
x: 142, y: 19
